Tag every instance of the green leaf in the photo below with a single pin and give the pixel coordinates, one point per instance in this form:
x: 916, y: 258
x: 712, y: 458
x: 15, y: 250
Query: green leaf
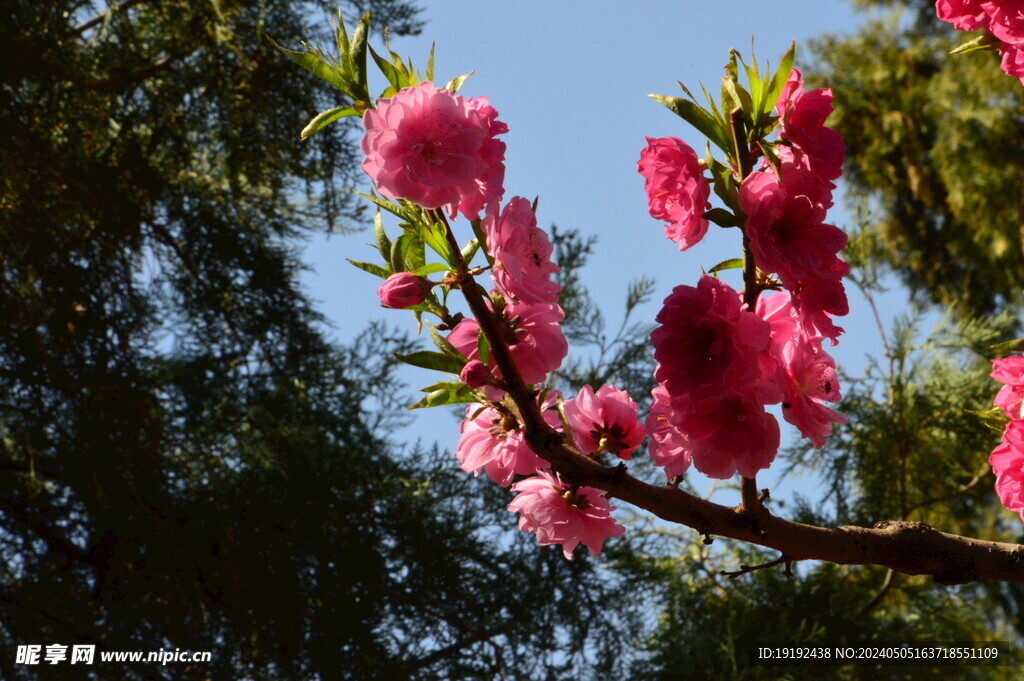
x: 436, y: 237
x: 1003, y: 349
x: 722, y: 218
x: 443, y: 397
x: 738, y: 98
x: 432, y: 268
x: 445, y: 346
x: 357, y: 50
x: 389, y: 206
x: 387, y: 69
x: 432, y: 360
x: 697, y: 116
x: 993, y: 418
x: 375, y: 270
x: 317, y: 65
x: 324, y: 118
x: 469, y: 250
x: 455, y: 83
x: 341, y: 38
x: 383, y: 242
x: 482, y: 349
x: 430, y: 62
x: 982, y: 42
x: 770, y: 154
x: 730, y: 264
x: 778, y: 81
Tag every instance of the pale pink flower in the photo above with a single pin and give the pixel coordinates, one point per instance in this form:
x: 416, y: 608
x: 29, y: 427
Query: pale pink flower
x: 490, y: 186
x: 432, y: 147
x: 522, y: 253
x: 810, y: 380
x: 494, y: 443
x: 803, y: 116
x: 605, y: 420
x: 402, y: 290
x: 728, y: 435
x: 1009, y: 371
x: 559, y: 514
x: 669, y: 447
x: 534, y: 338
x: 1007, y: 461
x: 676, y: 189
x: 965, y: 15
x: 707, y: 346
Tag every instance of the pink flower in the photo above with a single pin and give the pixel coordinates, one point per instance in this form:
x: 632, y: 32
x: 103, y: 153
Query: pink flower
x: 522, y: 253
x: 533, y: 334
x: 965, y: 15
x: 707, y: 346
x: 676, y: 189
x: 810, y: 380
x: 605, y: 420
x: 403, y: 289
x: 433, y: 147
x: 1009, y: 371
x: 475, y: 374
x: 1006, y: 20
x: 1007, y: 461
x: 559, y: 514
x: 669, y: 447
x: 489, y: 186
x: 729, y: 435
x: 1012, y: 60
x: 493, y: 443
x: 803, y: 116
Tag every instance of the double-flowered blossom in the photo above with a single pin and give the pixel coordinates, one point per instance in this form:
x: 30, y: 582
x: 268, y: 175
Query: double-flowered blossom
x: 1010, y: 372
x: 1007, y: 461
x: 561, y: 514
x: 676, y: 189
x: 604, y: 421
x: 1003, y: 19
x: 435, y: 148
x: 670, y: 449
x: 493, y: 441
x: 533, y: 335
x: 802, y: 115
x: 728, y: 435
x: 522, y: 253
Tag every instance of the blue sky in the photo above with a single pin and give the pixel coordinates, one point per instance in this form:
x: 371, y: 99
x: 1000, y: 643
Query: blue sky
x: 571, y: 80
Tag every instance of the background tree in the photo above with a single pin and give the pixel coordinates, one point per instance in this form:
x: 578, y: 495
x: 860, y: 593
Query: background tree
x: 185, y: 461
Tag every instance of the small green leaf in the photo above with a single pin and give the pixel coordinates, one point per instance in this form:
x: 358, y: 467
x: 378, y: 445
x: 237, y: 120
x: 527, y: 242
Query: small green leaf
x: 433, y: 360
x: 341, y: 38
x: 982, y: 42
x: 469, y: 250
x: 722, y: 218
x: 387, y: 69
x: 697, y: 116
x: 324, y: 118
x: 383, y: 242
x: 430, y: 62
x: 357, y: 50
x: 432, y: 268
x: 730, y: 264
x: 317, y: 65
x: 389, y: 206
x: 993, y: 418
x: 436, y: 237
x: 396, y: 258
x: 445, y: 346
x: 455, y: 83
x: 375, y: 270
x: 778, y: 81
x: 482, y: 349
x: 770, y: 154
x: 443, y: 397
x: 1003, y: 349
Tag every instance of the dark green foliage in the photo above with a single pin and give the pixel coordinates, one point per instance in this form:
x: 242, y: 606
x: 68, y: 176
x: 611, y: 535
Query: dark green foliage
x: 936, y: 143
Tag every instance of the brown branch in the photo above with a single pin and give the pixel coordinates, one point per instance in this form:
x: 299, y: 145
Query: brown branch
x: 906, y: 547
x: 747, y: 569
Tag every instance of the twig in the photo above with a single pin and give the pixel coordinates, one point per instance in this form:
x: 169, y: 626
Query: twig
x: 746, y: 569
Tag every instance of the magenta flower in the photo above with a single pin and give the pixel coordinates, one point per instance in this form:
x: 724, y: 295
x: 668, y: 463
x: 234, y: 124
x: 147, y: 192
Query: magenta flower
x: 707, y: 346
x: 1007, y: 461
x: 965, y: 15
x: 1010, y: 372
x: 534, y: 338
x: 433, y: 147
x: 559, y: 514
x: 676, y: 189
x: 522, y: 254
x: 493, y: 443
x: 1006, y: 20
x: 605, y: 420
x: 803, y: 116
x: 402, y: 290
x: 1013, y: 60
x: 669, y: 447
x: 729, y: 435
x: 1003, y: 19
x: 475, y: 374
x: 810, y: 380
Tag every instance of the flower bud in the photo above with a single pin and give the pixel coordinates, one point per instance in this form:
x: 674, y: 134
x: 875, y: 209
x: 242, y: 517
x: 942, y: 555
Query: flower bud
x: 475, y: 374
x: 403, y: 289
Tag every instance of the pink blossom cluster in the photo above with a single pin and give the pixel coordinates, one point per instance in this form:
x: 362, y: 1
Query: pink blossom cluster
x: 719, y: 362
x: 719, y: 365
x: 435, y: 148
x: 1003, y: 19
x: 1007, y: 459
